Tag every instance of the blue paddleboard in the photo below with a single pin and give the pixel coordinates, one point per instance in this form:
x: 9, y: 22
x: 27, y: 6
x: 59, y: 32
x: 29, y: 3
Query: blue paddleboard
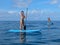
x: 23, y: 30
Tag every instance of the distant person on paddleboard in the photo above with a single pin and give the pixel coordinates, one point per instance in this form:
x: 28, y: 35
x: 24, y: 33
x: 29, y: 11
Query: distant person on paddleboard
x: 22, y: 17
x: 49, y: 22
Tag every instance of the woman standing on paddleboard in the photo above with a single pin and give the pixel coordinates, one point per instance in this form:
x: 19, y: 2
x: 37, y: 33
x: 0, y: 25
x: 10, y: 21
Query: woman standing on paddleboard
x: 22, y: 17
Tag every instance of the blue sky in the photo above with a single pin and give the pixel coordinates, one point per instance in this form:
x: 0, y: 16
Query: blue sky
x: 37, y: 9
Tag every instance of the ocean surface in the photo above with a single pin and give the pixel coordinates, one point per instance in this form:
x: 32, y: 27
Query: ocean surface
x: 47, y: 35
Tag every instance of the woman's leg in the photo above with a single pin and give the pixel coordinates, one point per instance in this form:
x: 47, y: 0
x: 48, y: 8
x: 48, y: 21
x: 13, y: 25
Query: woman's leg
x: 21, y: 27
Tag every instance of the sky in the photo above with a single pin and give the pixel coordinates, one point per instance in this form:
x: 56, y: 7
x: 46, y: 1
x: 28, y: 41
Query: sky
x: 37, y: 9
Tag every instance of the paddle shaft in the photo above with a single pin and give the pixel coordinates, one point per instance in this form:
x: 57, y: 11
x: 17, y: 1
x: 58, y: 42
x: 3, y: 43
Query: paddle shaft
x: 26, y: 19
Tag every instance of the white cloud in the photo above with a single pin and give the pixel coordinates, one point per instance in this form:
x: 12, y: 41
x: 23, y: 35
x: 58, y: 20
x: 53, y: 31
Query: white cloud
x: 49, y: 2
x: 35, y: 11
x: 12, y: 12
x: 39, y: 11
x: 21, y: 3
x: 9, y: 15
x: 59, y: 6
x: 35, y: 14
x: 43, y: 14
x: 8, y: 12
x: 54, y: 1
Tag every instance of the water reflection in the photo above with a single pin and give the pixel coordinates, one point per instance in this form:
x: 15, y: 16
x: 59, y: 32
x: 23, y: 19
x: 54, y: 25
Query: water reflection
x: 22, y: 37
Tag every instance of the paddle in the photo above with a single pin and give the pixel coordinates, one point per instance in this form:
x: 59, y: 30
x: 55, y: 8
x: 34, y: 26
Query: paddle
x: 24, y: 27
x: 26, y: 18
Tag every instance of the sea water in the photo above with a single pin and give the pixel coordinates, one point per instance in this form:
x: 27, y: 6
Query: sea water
x: 46, y: 35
